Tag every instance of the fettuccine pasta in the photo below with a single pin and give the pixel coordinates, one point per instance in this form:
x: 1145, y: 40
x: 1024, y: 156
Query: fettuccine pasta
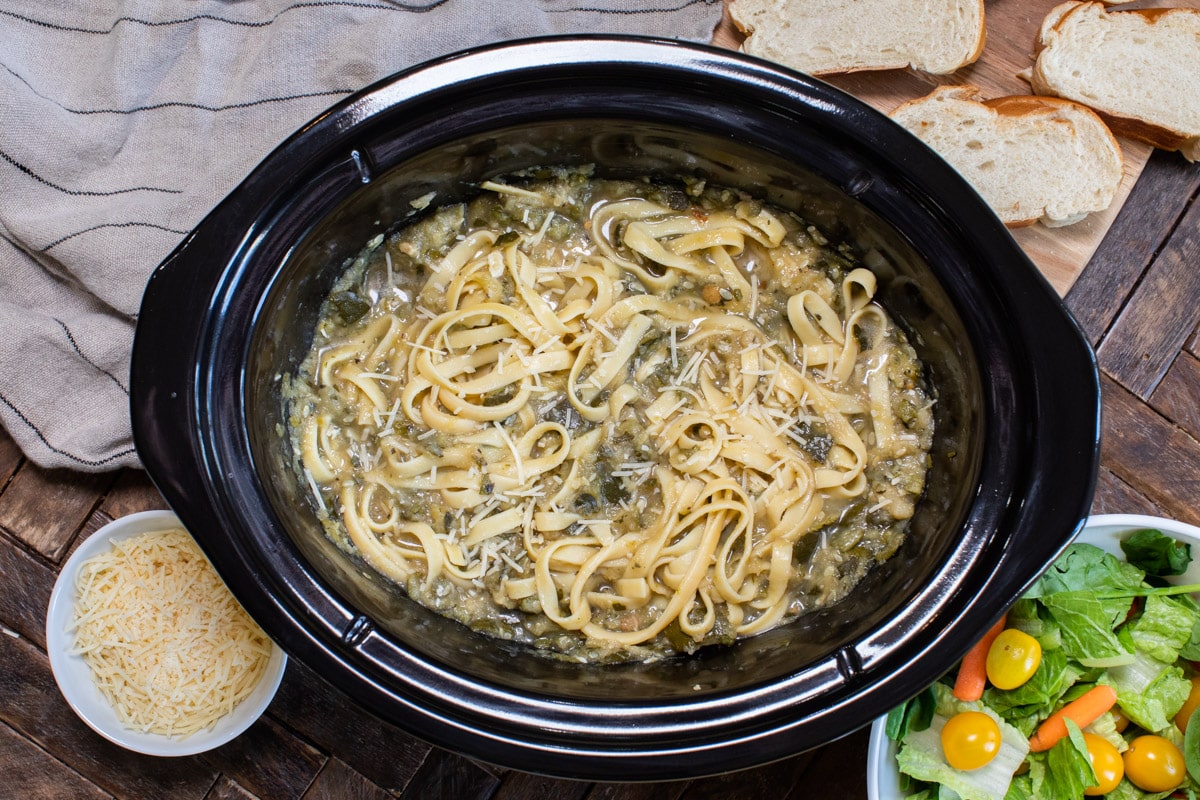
x: 612, y: 419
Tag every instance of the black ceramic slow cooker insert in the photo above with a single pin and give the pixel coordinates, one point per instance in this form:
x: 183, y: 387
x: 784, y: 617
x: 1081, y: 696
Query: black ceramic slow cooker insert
x: 231, y: 311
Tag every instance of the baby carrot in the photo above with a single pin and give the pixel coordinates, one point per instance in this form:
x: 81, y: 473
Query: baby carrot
x: 972, y: 672
x: 1083, y: 711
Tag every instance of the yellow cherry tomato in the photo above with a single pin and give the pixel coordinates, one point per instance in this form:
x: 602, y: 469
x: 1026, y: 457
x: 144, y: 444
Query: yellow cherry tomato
x: 1012, y: 659
x: 1153, y: 764
x: 1120, y: 721
x: 1189, y: 705
x: 970, y: 740
x: 1107, y: 763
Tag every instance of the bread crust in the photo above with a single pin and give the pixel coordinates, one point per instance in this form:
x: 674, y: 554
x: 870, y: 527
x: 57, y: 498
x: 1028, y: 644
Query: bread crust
x: 1122, y: 122
x: 921, y: 52
x: 1038, y: 122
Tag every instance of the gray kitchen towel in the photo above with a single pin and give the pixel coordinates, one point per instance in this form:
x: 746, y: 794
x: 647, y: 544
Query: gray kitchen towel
x: 123, y: 122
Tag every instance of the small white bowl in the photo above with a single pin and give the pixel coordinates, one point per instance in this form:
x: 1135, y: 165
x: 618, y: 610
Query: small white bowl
x: 1106, y: 532
x: 74, y: 678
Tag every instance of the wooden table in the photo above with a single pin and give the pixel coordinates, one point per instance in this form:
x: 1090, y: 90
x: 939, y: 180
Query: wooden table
x: 1138, y: 300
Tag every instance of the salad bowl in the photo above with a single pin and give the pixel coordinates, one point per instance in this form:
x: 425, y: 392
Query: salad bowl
x: 1105, y: 531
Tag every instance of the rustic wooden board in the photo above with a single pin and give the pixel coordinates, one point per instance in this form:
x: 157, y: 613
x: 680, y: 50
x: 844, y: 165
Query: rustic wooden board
x: 1152, y: 212
x: 26, y: 594
x: 1154, y: 457
x: 524, y: 786
x: 1157, y: 322
x: 1012, y: 27
x: 1115, y: 496
x: 1177, y: 396
x: 30, y: 772
x: 313, y: 708
x: 337, y: 781
x: 45, y: 508
x: 446, y: 774
x: 267, y: 760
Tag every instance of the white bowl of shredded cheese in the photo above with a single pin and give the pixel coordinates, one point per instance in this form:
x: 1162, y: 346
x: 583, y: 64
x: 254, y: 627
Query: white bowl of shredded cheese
x: 188, y: 676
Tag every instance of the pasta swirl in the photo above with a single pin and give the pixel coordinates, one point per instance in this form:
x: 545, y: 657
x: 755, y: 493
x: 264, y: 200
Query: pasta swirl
x: 639, y: 428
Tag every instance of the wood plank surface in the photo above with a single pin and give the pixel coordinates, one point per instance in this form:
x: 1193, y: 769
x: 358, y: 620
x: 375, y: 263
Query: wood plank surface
x: 1115, y: 496
x: 48, y: 506
x: 1148, y: 452
x: 30, y: 773
x: 446, y: 774
x: 1147, y: 219
x: 638, y: 791
x: 337, y: 781
x: 28, y: 582
x: 312, y: 708
x: 1177, y: 396
x: 523, y: 786
x: 1160, y: 314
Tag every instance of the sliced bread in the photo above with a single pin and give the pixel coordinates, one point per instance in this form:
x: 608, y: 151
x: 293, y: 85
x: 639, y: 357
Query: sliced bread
x: 1139, y: 68
x: 1031, y: 158
x: 827, y: 36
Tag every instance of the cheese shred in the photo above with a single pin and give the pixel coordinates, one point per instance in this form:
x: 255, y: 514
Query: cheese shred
x: 168, y: 645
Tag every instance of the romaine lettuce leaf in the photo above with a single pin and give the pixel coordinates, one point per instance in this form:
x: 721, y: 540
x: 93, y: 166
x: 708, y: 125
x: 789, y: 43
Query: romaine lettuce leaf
x: 1191, y: 651
x: 1087, y: 626
x: 1068, y: 768
x: 1156, y: 553
x: 1191, y: 746
x: 1164, y: 628
x: 910, y: 716
x: 946, y: 704
x: 1106, y: 727
x: 1127, y: 791
x: 1025, y: 615
x: 1086, y: 568
x: 1150, y: 692
x: 1021, y: 788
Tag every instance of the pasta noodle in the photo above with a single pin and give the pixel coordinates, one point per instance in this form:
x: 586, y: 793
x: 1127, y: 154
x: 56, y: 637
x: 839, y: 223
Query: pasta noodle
x: 614, y: 419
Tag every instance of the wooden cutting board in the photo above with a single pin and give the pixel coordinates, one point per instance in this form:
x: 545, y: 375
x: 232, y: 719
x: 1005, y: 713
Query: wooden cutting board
x: 1012, y: 28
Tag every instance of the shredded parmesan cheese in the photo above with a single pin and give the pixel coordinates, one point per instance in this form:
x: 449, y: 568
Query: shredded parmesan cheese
x: 168, y: 645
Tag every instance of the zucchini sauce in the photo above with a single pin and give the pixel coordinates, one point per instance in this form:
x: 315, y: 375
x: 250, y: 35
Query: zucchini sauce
x: 611, y: 419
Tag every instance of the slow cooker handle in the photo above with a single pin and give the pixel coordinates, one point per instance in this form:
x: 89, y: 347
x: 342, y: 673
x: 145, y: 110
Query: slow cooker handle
x: 169, y: 327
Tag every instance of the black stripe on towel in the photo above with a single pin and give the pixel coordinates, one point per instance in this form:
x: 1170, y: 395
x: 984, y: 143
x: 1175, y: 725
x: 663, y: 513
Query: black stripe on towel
x: 68, y: 455
x: 82, y: 192
x: 171, y: 103
x: 630, y: 11
x: 86, y: 360
x: 70, y: 236
x: 387, y: 5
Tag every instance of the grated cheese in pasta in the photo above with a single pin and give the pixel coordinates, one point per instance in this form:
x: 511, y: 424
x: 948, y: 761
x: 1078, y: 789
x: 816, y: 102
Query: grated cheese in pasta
x: 168, y: 645
x: 616, y: 470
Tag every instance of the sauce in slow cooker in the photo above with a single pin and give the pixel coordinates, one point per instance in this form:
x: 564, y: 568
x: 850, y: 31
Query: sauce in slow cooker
x: 612, y: 419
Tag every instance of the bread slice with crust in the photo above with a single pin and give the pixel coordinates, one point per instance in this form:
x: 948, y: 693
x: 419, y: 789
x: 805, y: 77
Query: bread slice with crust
x: 1139, y: 68
x: 828, y: 36
x: 1031, y: 158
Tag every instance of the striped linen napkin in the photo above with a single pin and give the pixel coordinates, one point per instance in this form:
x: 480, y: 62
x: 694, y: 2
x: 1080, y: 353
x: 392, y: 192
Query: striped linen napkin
x: 124, y: 122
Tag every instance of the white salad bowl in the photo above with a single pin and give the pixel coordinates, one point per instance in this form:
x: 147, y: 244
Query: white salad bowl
x: 1104, y: 531
x: 74, y: 678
